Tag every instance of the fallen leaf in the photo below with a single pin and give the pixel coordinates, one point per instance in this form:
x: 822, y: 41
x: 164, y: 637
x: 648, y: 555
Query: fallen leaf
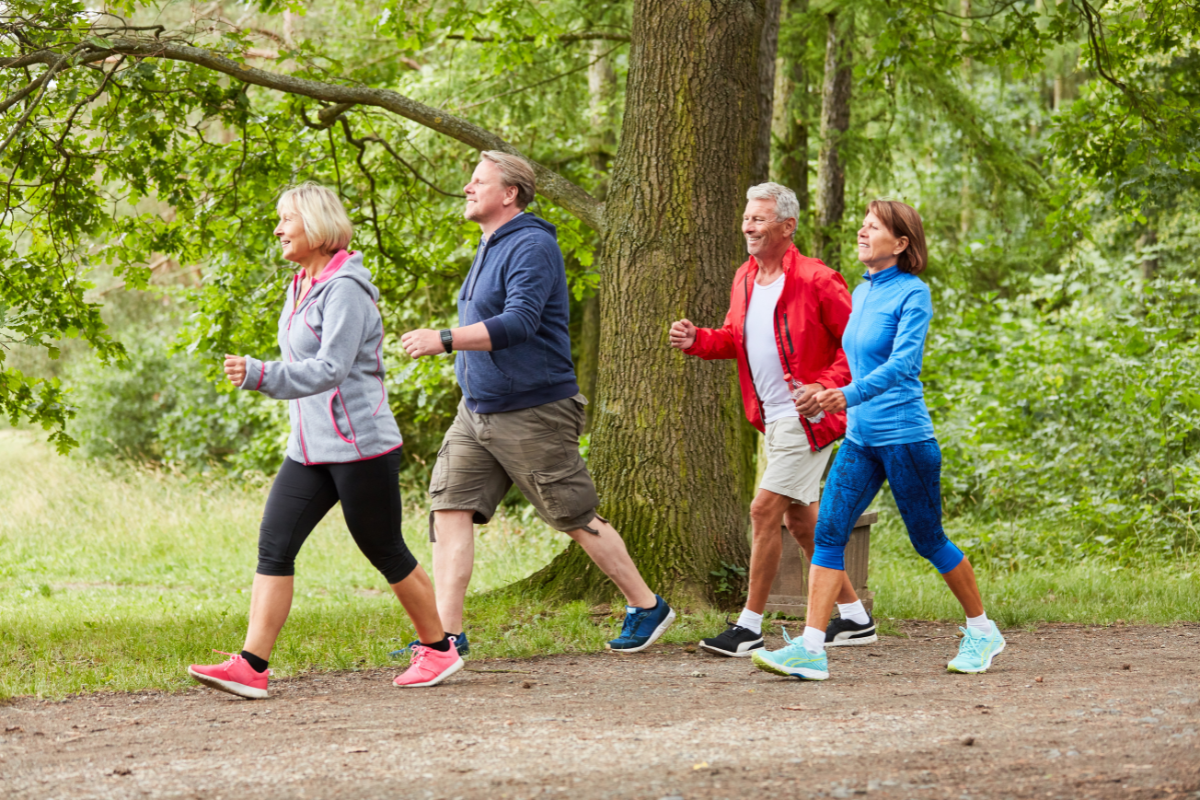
x: 356, y: 749
x: 701, y: 765
x: 792, y: 708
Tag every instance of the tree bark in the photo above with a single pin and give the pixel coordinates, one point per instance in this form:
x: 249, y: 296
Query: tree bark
x: 791, y: 102
x: 835, y: 121
x: 670, y: 450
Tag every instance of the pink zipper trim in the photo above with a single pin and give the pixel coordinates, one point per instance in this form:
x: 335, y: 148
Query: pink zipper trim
x: 261, y: 375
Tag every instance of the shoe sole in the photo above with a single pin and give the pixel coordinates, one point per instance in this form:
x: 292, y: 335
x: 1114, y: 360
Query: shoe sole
x: 662, y: 627
x: 446, y: 673
x: 851, y: 641
x: 240, y: 689
x: 985, y: 667
x: 716, y: 651
x: 801, y: 673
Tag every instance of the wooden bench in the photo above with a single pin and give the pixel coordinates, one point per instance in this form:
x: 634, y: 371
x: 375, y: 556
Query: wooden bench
x: 789, y: 592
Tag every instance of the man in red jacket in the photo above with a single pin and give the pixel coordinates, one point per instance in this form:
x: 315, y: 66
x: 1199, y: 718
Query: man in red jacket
x: 785, y: 322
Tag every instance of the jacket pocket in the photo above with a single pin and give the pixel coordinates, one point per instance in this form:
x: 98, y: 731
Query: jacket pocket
x: 566, y: 489
x: 339, y: 417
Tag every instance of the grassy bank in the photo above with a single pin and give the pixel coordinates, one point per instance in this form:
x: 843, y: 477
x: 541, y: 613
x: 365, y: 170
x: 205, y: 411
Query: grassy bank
x: 119, y: 579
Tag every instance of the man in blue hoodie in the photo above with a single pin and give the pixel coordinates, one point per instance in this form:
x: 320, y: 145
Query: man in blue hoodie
x: 521, y: 414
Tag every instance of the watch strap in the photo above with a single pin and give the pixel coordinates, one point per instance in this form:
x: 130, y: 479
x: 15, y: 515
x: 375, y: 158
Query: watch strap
x: 447, y: 340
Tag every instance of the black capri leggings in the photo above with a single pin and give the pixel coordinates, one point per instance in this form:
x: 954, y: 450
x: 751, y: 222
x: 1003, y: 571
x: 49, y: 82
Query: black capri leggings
x: 302, y: 495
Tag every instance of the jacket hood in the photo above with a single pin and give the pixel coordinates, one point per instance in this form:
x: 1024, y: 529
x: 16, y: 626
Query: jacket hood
x: 346, y: 265
x: 520, y: 222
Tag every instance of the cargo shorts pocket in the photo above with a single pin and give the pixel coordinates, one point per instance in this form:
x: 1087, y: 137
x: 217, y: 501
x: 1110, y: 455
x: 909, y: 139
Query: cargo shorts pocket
x: 565, y: 490
x: 440, y: 478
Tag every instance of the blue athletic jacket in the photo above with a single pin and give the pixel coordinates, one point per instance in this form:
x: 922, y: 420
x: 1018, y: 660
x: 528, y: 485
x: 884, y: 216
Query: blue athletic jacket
x: 884, y: 342
x: 517, y: 288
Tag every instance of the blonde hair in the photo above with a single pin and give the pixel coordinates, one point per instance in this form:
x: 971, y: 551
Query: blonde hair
x: 515, y: 171
x: 326, y: 223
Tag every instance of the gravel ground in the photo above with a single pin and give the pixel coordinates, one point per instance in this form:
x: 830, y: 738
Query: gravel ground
x: 1066, y: 711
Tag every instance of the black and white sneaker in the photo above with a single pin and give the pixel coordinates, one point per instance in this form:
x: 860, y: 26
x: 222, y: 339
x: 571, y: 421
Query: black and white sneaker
x: 736, y: 641
x: 842, y: 632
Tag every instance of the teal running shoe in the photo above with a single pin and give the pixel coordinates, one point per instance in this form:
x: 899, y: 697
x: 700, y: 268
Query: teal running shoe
x: 793, y: 661
x: 976, y: 651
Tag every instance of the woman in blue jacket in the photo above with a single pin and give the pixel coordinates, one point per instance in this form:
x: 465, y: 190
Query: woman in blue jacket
x: 889, y: 435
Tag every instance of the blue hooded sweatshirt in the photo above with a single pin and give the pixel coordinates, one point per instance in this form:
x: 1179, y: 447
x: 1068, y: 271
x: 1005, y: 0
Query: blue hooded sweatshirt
x: 517, y: 288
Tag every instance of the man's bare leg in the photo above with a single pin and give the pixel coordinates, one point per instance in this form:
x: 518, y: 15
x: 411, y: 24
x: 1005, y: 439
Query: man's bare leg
x: 607, y: 550
x: 766, y: 513
x: 453, y: 562
x: 801, y: 522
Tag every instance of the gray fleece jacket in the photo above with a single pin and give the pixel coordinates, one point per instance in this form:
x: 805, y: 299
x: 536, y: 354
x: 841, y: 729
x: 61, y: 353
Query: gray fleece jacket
x: 331, y: 371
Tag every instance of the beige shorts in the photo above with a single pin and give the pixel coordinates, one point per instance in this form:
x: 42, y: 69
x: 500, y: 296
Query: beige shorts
x: 793, y: 469
x: 536, y: 448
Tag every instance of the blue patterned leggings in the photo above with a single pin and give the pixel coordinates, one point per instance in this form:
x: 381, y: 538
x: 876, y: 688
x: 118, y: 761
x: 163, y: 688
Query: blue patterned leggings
x: 915, y: 474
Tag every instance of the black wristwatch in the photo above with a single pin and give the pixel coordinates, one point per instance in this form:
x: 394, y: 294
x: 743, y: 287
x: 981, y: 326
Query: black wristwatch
x: 448, y: 340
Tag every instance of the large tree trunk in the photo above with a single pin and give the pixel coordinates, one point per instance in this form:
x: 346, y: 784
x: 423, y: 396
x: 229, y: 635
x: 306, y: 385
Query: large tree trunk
x: 791, y: 112
x: 669, y: 449
x: 835, y: 121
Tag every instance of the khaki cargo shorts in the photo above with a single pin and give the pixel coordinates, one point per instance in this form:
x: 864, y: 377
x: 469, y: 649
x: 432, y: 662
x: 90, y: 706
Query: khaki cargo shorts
x: 536, y: 448
x: 793, y: 469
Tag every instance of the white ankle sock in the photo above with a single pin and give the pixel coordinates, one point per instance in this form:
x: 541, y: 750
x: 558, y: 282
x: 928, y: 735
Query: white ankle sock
x: 750, y: 621
x: 979, y: 624
x: 814, y: 640
x: 854, y: 612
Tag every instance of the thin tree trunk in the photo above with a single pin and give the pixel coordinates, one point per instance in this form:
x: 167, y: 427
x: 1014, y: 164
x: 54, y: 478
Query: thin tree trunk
x: 670, y: 449
x: 791, y: 118
x: 602, y: 87
x: 768, y: 47
x: 835, y: 121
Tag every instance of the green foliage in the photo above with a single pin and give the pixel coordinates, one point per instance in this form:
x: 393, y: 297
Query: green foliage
x: 1073, y: 409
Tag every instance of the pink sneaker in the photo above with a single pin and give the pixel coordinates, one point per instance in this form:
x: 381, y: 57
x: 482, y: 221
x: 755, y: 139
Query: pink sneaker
x: 429, y: 667
x: 235, y: 676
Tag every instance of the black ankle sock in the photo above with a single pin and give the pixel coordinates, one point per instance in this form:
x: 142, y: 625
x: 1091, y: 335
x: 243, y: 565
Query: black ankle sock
x: 442, y: 647
x: 256, y: 663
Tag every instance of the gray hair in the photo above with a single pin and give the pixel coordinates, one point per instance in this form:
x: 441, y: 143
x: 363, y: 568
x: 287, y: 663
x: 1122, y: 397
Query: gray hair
x: 786, y: 204
x: 514, y: 171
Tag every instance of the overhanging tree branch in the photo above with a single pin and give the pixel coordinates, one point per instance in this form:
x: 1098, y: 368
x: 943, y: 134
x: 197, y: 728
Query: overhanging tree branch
x: 551, y: 185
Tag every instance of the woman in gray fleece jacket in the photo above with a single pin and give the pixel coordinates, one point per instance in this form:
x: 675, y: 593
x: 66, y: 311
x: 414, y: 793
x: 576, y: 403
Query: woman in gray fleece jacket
x: 344, y: 444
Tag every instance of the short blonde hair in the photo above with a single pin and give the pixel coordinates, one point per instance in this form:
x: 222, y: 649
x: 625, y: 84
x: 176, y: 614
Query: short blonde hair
x: 326, y: 223
x: 515, y: 171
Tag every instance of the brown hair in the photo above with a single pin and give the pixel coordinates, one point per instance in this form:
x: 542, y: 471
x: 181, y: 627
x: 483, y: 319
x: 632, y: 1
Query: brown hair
x: 902, y: 220
x: 514, y: 171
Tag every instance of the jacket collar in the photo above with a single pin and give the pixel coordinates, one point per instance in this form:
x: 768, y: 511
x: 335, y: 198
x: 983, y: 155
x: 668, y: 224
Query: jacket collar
x: 884, y: 275
x: 790, y: 259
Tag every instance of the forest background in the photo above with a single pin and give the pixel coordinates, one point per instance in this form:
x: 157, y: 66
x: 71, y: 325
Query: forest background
x: 1051, y: 148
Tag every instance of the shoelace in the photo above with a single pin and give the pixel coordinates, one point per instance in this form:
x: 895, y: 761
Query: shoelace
x: 632, y: 621
x: 971, y: 645
x: 419, y: 651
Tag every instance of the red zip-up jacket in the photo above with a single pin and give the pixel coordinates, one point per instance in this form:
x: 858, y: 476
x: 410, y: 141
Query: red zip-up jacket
x: 809, y: 319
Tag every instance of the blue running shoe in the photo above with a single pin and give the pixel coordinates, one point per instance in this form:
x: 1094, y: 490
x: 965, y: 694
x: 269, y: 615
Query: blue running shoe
x: 976, y: 650
x: 793, y: 661
x: 642, y: 627
x: 460, y: 644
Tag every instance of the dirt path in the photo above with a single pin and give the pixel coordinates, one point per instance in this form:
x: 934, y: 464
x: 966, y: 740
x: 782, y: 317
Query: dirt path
x: 1059, y: 715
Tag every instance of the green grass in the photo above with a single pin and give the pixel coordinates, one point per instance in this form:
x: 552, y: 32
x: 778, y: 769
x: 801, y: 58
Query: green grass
x: 117, y: 579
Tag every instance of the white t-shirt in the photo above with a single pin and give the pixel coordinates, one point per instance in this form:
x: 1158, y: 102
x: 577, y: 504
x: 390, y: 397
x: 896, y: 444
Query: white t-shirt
x: 765, y: 366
